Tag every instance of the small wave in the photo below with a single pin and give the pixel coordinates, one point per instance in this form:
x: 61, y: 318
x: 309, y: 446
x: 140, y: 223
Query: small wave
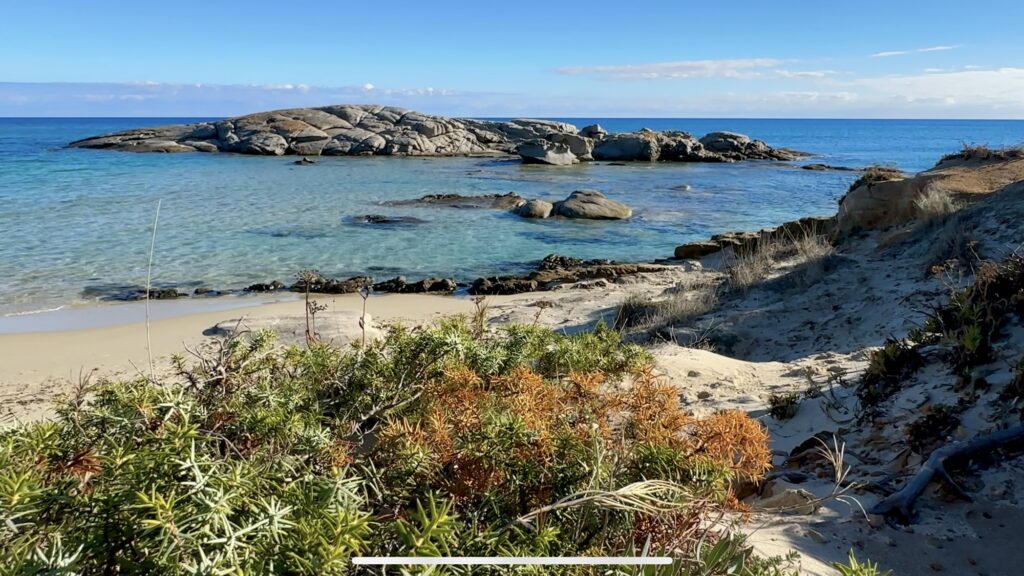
x: 30, y: 312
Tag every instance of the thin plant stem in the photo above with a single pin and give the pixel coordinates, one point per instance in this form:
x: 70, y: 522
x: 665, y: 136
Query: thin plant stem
x: 149, y: 288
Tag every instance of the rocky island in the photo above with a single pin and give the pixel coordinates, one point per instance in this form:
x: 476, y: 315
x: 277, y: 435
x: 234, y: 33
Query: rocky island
x: 371, y: 130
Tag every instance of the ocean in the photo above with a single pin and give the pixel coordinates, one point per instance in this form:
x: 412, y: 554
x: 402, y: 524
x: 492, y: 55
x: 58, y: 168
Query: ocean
x: 76, y: 223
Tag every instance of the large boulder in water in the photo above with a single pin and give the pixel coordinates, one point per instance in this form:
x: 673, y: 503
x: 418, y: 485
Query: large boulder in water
x: 627, y: 147
x: 546, y: 152
x: 592, y: 205
x: 534, y: 208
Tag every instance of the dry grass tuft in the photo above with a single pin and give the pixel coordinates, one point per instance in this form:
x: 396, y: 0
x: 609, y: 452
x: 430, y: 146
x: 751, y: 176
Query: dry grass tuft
x: 934, y: 204
x: 951, y: 246
x: 805, y: 254
x: 686, y: 302
x: 983, y: 152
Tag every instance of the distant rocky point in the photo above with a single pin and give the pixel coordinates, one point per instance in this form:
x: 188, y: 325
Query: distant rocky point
x: 357, y: 130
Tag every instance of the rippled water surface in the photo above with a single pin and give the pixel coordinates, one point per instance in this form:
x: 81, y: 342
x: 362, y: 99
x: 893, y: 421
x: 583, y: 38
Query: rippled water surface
x: 76, y: 219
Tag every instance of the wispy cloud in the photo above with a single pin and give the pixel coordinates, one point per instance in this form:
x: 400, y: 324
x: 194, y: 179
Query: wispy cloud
x: 890, y: 53
x: 735, y: 68
x: 803, y: 73
x: 150, y: 98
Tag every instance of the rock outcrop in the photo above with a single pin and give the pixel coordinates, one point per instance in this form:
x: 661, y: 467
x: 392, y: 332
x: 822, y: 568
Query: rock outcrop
x: 546, y: 152
x: 628, y: 147
x: 366, y: 129
x: 581, y: 204
x: 554, y: 271
x: 879, y: 200
x: 747, y: 242
x: 345, y: 130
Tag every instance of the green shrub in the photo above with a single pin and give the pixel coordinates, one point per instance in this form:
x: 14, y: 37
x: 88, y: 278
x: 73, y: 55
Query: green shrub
x: 975, y: 316
x: 783, y: 406
x: 889, y: 365
x: 856, y: 568
x: 431, y: 441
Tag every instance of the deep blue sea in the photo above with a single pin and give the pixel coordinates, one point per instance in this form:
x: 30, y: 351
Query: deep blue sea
x: 72, y: 219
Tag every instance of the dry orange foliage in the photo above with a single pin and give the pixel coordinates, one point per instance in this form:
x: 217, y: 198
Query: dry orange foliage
x: 646, y: 412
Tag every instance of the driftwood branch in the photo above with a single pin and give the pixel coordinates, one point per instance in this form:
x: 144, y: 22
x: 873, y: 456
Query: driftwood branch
x: 900, y: 506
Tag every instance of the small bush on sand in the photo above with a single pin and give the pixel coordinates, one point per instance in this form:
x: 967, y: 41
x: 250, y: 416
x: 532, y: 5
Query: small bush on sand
x: 783, y: 406
x: 974, y: 316
x: 430, y: 441
x: 889, y: 365
x: 876, y: 174
x: 930, y: 430
x: 856, y: 568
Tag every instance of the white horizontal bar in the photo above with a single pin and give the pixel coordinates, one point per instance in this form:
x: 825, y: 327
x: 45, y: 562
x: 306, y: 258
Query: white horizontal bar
x: 510, y: 560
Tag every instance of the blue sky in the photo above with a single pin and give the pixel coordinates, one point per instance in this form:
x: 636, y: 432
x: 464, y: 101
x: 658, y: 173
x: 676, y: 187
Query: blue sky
x: 873, y: 59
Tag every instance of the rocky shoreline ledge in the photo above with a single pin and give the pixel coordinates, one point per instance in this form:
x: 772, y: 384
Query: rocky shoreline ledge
x: 553, y: 272
x: 373, y: 130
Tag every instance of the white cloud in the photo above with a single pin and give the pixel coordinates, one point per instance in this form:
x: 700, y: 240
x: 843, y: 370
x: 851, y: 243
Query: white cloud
x: 998, y: 87
x: 736, y: 68
x: 890, y: 53
x: 938, y: 48
x: 804, y: 73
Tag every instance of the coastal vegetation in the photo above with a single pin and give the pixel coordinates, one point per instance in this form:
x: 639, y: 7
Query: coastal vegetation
x: 985, y: 152
x: 435, y: 441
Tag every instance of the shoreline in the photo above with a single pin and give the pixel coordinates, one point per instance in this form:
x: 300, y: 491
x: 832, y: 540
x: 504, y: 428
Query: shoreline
x: 42, y: 364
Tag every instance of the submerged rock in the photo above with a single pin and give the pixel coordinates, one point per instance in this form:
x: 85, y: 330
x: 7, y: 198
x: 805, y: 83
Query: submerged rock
x: 495, y: 201
x: 381, y: 219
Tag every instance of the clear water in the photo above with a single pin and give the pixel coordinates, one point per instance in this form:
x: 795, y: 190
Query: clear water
x: 71, y: 218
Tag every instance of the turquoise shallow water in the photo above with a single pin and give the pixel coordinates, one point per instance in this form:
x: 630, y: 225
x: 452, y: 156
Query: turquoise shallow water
x: 72, y: 219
